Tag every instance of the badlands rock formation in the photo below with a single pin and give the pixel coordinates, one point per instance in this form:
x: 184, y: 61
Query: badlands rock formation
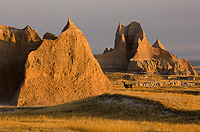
x: 15, y: 45
x: 61, y: 70
x: 133, y: 53
x: 114, y: 59
x: 158, y: 44
x: 107, y: 50
x: 51, y: 36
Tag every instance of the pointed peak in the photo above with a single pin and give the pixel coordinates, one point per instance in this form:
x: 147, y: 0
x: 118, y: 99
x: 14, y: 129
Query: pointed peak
x: 143, y: 32
x: 70, y: 24
x: 28, y: 27
x: 158, y: 44
x: 157, y: 40
x: 120, y: 24
x: 119, y: 27
x: 69, y: 20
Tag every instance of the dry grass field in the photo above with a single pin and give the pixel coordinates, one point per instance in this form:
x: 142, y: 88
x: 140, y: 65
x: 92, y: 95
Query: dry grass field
x: 138, y: 109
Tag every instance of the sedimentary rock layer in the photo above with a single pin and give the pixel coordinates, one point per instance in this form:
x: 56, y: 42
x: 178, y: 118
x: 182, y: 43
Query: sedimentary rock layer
x: 62, y: 70
x: 133, y: 53
x: 15, y: 45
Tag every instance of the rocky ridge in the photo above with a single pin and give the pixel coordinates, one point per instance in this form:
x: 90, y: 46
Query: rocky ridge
x: 55, y: 70
x: 62, y: 70
x: 15, y: 45
x: 133, y: 53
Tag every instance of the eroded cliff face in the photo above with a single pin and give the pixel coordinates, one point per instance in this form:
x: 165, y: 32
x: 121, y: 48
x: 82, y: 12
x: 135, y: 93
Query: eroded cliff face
x: 62, y: 70
x: 140, y: 55
x: 15, y: 45
x: 132, y: 33
x: 114, y: 60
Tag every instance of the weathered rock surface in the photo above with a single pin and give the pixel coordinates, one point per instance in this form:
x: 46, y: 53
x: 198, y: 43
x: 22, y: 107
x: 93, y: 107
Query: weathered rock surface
x: 158, y: 44
x: 125, y: 47
x: 62, y: 70
x: 152, y: 66
x: 140, y: 55
x: 187, y: 66
x: 51, y: 36
x: 114, y: 60
x: 15, y: 45
x: 156, y: 60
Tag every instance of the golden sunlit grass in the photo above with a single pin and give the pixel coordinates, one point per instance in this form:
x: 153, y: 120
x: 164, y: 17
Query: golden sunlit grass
x: 177, y: 101
x: 43, y: 123
x: 135, y: 110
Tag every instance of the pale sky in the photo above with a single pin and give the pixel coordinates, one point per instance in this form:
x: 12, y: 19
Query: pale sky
x: 175, y: 22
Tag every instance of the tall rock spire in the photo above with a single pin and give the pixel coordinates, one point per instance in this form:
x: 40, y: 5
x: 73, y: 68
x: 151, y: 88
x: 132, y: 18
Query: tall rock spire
x: 119, y: 27
x: 70, y: 24
x: 132, y: 45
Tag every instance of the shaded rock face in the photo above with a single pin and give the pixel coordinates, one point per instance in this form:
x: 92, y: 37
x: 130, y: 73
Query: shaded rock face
x: 125, y: 47
x: 15, y: 45
x: 132, y: 33
x: 114, y: 60
x: 158, y: 44
x: 61, y: 70
x: 134, y: 53
x: 50, y: 36
x: 107, y: 50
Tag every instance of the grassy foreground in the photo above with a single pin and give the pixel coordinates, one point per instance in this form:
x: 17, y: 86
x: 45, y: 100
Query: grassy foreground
x: 135, y: 110
x: 91, y: 124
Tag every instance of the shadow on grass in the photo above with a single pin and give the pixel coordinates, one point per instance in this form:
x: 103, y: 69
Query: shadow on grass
x: 191, y: 92
x: 14, y: 109
x: 116, y: 107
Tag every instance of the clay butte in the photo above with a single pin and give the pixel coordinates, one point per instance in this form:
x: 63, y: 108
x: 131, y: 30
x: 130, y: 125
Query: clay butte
x: 133, y: 53
x: 51, y: 71
x: 15, y: 45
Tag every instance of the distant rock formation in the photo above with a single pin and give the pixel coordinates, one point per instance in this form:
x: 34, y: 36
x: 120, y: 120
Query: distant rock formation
x: 15, y: 45
x: 188, y: 67
x: 133, y: 53
x: 114, y: 59
x: 61, y: 70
